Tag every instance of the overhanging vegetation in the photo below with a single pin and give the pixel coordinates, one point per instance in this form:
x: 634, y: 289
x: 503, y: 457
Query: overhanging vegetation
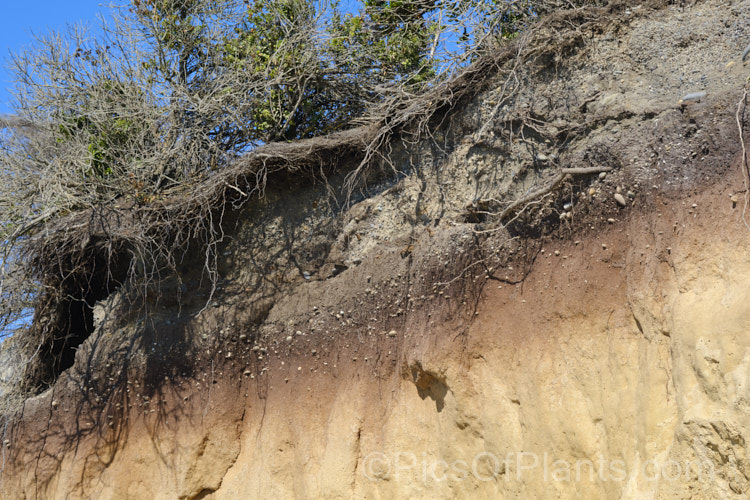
x: 126, y: 166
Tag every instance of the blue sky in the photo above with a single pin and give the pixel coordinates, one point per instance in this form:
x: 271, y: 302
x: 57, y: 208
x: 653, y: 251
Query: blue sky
x: 21, y: 18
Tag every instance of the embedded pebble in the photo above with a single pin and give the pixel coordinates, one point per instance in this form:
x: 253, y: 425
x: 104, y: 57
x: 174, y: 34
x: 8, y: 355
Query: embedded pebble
x: 695, y: 96
x: 602, y: 175
x: 392, y: 333
x: 620, y: 199
x: 611, y: 220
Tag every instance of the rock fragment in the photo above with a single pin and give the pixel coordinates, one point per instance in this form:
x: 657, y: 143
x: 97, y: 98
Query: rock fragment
x: 694, y: 96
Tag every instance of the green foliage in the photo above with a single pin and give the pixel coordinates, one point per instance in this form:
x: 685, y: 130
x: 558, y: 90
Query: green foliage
x: 391, y: 37
x: 297, y: 101
x: 102, y: 131
x: 179, y: 30
x: 109, y: 138
x: 287, y: 89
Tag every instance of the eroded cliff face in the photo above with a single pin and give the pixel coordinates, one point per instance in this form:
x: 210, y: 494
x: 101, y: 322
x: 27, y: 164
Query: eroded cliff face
x: 413, y: 347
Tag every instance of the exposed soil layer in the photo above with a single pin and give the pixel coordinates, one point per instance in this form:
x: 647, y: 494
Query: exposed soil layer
x: 417, y: 345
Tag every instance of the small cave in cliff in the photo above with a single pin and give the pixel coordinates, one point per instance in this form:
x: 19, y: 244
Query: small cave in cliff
x: 64, y: 317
